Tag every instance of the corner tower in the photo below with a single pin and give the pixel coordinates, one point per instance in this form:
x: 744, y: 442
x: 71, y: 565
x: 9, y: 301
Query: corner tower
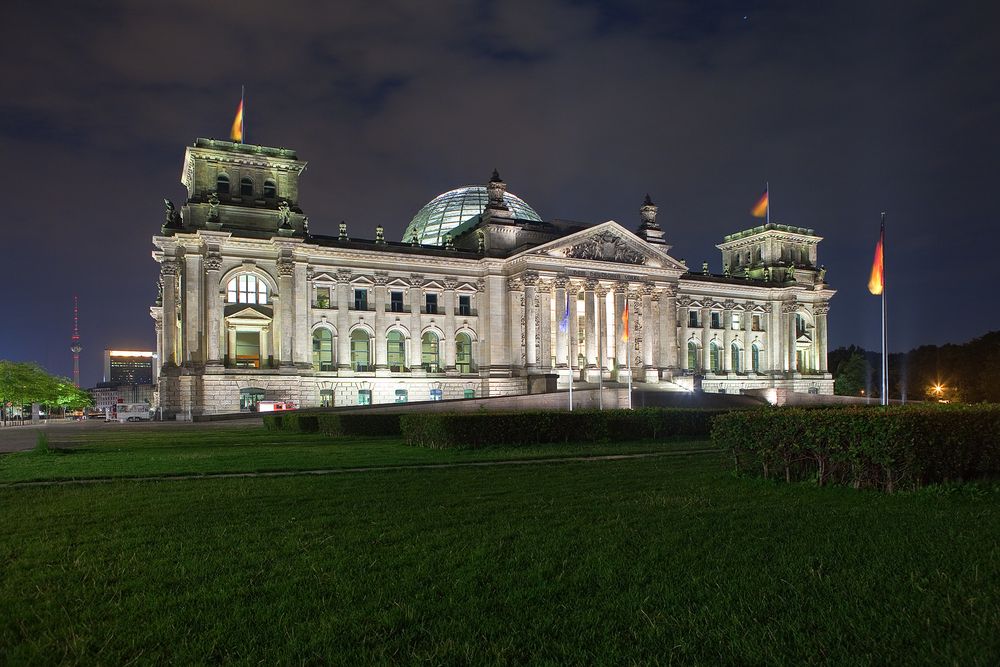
x: 240, y: 188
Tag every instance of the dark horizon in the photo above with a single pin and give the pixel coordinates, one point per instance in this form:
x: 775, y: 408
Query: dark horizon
x: 585, y: 107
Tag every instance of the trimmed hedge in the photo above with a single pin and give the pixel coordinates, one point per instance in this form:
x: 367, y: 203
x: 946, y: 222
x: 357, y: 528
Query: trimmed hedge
x: 334, y: 424
x: 903, y: 447
x: 482, y: 429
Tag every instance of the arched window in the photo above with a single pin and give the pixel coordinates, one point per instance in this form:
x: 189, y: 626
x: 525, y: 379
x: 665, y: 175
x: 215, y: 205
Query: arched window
x: 246, y: 288
x: 322, y: 349
x: 463, y: 353
x: 222, y: 184
x: 395, y: 351
x: 429, y: 357
x: 692, y: 356
x: 270, y: 189
x: 715, y: 360
x: 737, y: 362
x: 360, y: 350
x: 755, y: 357
x: 246, y: 187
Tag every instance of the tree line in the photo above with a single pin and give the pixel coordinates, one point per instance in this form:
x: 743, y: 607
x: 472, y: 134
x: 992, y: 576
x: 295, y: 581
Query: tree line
x: 965, y: 372
x: 22, y: 384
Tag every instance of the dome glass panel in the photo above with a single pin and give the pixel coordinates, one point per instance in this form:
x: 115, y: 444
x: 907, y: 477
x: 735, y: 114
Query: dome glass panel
x: 451, y: 209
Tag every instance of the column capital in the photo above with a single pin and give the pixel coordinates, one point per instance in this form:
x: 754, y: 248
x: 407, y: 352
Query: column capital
x: 286, y: 268
x: 821, y: 308
x: 416, y: 280
x: 560, y: 281
x: 381, y: 278
x: 450, y: 283
x: 213, y: 260
x: 530, y: 278
x: 728, y: 304
x: 789, y: 307
x: 515, y: 284
x: 168, y: 267
x: 343, y: 276
x: 590, y: 285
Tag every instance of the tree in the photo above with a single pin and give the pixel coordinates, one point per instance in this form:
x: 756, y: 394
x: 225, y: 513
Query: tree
x: 24, y: 383
x: 852, y: 374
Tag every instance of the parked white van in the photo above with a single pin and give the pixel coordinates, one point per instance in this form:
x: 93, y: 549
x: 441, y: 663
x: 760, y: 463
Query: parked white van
x: 134, y: 412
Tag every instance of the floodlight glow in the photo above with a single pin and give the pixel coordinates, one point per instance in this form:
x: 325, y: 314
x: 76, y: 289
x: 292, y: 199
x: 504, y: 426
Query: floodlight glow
x: 129, y: 353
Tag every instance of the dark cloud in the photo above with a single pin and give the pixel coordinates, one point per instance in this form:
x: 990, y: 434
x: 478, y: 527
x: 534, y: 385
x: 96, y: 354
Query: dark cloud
x: 846, y: 108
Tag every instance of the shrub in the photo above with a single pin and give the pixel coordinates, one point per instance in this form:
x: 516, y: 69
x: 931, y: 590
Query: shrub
x: 481, y: 429
x: 903, y: 447
x: 359, y: 424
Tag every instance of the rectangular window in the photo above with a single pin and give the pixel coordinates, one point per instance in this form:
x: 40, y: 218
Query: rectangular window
x: 716, y: 320
x: 437, y: 395
x: 322, y: 297
x: 360, y: 299
x: 364, y: 396
x: 402, y: 396
x: 432, y: 304
x: 326, y: 398
x: 465, y: 305
x: 692, y: 318
x: 247, y: 349
x: 396, y: 301
x: 736, y: 322
x: 470, y: 393
x: 755, y: 323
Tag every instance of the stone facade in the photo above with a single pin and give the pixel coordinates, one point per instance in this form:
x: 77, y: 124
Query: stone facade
x: 253, y: 306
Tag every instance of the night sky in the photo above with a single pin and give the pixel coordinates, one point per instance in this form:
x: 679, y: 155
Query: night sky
x: 847, y: 109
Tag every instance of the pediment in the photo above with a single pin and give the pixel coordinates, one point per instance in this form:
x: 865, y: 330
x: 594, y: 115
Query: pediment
x: 324, y: 278
x: 608, y: 242
x: 249, y: 313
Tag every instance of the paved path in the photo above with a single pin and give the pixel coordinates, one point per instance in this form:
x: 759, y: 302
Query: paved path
x: 70, y: 433
x: 340, y: 471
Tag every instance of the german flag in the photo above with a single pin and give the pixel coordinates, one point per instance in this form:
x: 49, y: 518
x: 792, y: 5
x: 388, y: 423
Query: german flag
x: 625, y: 323
x: 876, y: 282
x: 236, y: 134
x: 759, y: 209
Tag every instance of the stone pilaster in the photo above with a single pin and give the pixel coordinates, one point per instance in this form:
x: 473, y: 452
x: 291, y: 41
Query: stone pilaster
x: 214, y: 300
x: 286, y: 324
x: 706, y: 337
x: 416, y: 305
x: 191, y: 309
x: 379, y: 349
x: 343, y: 319
x: 562, y: 335
x: 302, y: 344
x: 449, y: 324
x: 590, y: 322
x: 727, y: 337
x: 168, y: 274
x: 649, y: 327
x: 515, y: 289
x: 543, y: 315
x: 821, y: 310
x: 530, y: 319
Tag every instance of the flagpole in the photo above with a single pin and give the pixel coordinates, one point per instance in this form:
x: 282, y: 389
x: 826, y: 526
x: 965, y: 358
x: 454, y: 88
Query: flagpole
x: 885, y: 334
x: 600, y: 359
x: 571, y: 353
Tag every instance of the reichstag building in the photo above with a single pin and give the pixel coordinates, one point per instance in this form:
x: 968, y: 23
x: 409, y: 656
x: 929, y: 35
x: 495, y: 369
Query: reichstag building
x: 481, y: 297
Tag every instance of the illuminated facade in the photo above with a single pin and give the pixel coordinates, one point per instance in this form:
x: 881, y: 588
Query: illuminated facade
x: 481, y: 298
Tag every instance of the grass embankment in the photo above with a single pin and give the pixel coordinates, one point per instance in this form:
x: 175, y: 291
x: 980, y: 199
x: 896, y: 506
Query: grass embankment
x: 190, y: 452
x: 654, y: 560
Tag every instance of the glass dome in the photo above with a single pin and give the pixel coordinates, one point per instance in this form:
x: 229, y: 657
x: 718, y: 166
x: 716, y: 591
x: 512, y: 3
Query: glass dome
x: 447, y: 211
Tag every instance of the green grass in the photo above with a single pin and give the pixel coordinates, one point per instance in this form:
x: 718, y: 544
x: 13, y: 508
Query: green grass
x: 669, y: 559
x: 191, y: 451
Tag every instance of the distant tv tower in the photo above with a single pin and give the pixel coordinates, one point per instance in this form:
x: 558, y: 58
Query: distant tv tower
x: 75, y: 346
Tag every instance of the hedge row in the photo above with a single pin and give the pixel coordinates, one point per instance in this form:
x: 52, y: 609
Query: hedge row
x: 903, y: 447
x: 334, y: 424
x: 481, y: 429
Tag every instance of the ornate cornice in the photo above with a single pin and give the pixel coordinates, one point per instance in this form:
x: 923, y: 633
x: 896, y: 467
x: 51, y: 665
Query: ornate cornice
x: 343, y: 276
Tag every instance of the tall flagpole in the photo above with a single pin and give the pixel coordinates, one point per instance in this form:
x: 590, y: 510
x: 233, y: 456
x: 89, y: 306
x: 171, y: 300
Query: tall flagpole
x: 885, y: 333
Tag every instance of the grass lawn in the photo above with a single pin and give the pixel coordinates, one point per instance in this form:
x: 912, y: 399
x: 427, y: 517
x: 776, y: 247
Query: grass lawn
x: 669, y: 559
x: 165, y: 452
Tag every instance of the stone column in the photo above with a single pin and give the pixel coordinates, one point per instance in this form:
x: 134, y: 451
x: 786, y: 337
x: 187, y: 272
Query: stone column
x: 515, y: 288
x: 530, y: 320
x: 416, y: 304
x: 286, y: 286
x: 621, y: 346
x: 603, y: 352
x: 727, y: 337
x: 649, y: 327
x: 379, y: 351
x: 748, y: 336
x: 449, y: 324
x: 562, y: 336
x: 590, y: 322
x: 302, y: 337
x: 343, y: 319
x: 821, y: 310
x: 706, y: 336
x: 214, y: 295
x: 168, y: 274
x: 572, y: 335
x: 788, y: 312
x: 668, y: 330
x: 683, y: 311
x: 231, y: 344
x: 544, y: 316
x: 775, y: 336
x: 158, y: 324
x: 192, y: 306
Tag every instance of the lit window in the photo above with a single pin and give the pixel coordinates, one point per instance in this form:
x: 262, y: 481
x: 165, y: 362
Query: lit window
x: 364, y: 396
x: 755, y: 323
x: 246, y: 288
x: 322, y: 297
x: 737, y: 362
x: 437, y: 395
x: 692, y: 356
x: 222, y: 184
x: 755, y: 358
x: 470, y: 393
x: 402, y: 396
x: 360, y: 350
x: 270, y: 189
x: 429, y: 357
x: 246, y: 187
x: 463, y: 353
x: 395, y: 345
x: 716, y: 320
x: 736, y: 321
x: 715, y: 358
x: 326, y: 398
x: 323, y: 349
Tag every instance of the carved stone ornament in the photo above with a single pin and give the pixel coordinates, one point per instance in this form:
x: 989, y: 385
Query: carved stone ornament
x: 605, y: 247
x: 168, y: 267
x: 530, y: 278
x: 343, y: 276
x: 647, y: 213
x: 213, y: 207
x: 496, y: 189
x: 286, y: 268
x: 284, y: 214
x: 381, y: 278
x: 515, y: 284
x: 821, y: 308
x: 728, y: 304
x: 789, y: 307
x: 767, y: 307
x: 213, y: 261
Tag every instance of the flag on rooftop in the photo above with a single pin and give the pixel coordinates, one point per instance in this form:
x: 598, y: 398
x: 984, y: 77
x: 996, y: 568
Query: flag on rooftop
x: 236, y: 134
x: 759, y: 209
x: 625, y: 323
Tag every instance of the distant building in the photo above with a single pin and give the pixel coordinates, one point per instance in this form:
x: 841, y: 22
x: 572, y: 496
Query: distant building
x: 107, y: 395
x: 129, y: 367
x: 481, y: 294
